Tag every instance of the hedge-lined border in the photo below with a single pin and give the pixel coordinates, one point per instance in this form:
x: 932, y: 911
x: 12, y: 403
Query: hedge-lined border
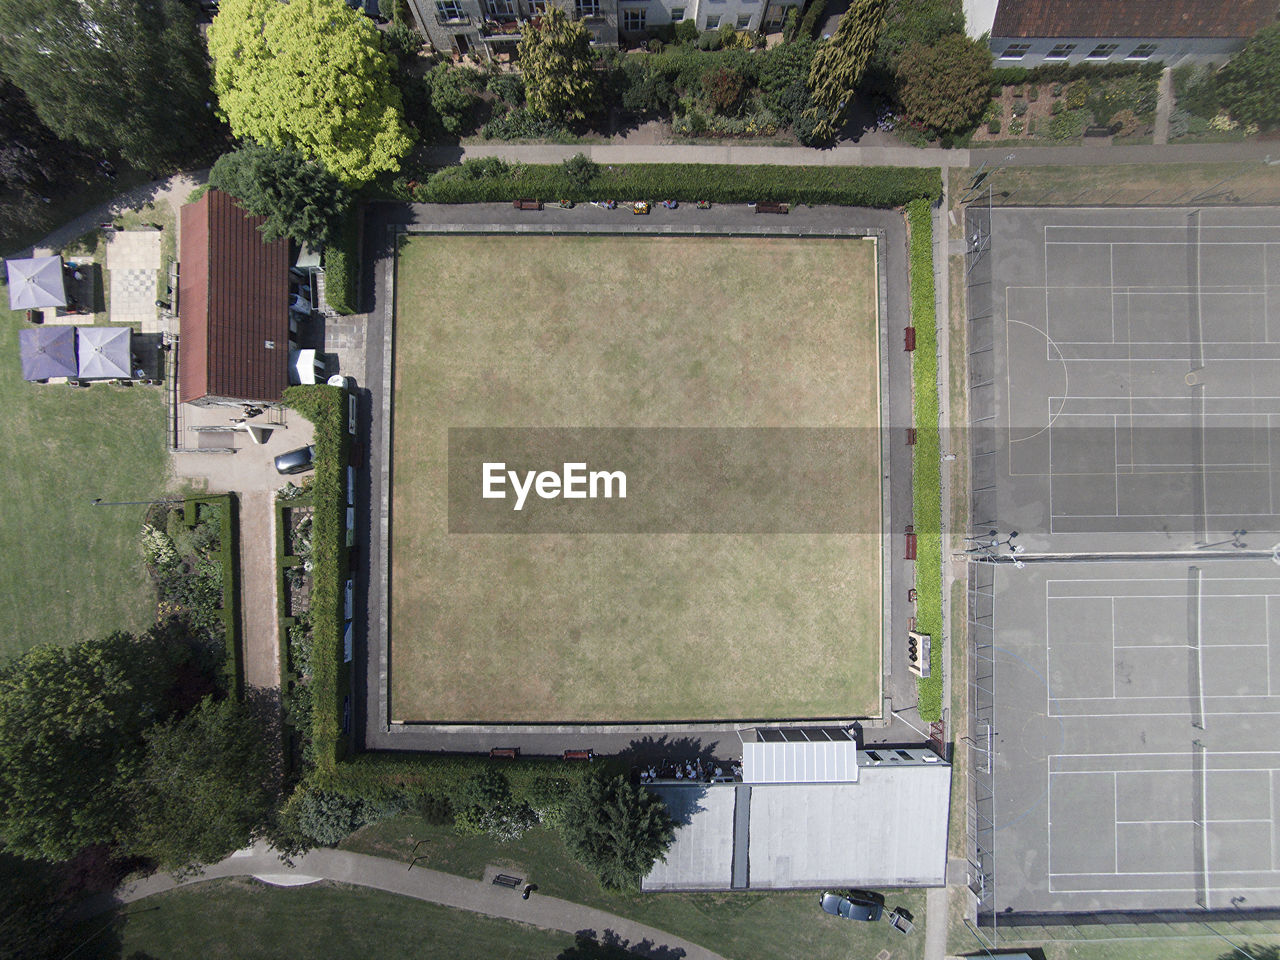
x: 326, y: 408
x: 926, y: 468
x: 493, y: 181
x: 342, y: 264
x: 228, y: 557
x: 289, y: 675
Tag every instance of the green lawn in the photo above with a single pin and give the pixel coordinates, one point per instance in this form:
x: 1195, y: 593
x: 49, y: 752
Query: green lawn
x: 633, y: 332
x: 740, y: 926
x: 243, y: 919
x: 72, y: 570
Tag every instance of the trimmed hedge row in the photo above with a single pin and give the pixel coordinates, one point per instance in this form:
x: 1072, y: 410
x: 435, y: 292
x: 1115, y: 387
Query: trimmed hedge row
x: 1065, y: 73
x: 342, y: 264
x: 228, y: 555
x: 326, y: 407
x: 490, y: 180
x: 926, y: 472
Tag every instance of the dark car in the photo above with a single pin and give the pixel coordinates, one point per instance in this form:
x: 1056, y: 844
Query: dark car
x: 851, y: 904
x: 297, y: 461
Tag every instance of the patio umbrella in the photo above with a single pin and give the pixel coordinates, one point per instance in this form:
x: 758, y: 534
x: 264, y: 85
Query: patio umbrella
x: 36, y: 282
x: 105, y: 352
x: 47, y: 352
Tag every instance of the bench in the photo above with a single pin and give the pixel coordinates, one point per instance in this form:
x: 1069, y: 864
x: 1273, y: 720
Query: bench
x: 503, y: 753
x: 910, y: 339
x: 772, y: 206
x: 578, y: 754
x: 527, y: 204
x: 911, y: 436
x: 506, y: 880
x: 911, y: 542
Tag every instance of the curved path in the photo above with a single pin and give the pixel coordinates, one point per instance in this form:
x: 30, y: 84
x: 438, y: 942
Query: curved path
x: 444, y: 888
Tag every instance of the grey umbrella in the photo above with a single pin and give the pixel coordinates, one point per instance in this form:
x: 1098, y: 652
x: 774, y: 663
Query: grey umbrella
x: 36, y: 282
x: 47, y: 352
x: 104, y: 352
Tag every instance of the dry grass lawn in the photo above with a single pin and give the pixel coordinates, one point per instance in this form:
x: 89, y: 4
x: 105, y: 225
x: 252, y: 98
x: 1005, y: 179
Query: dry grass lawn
x: 632, y: 332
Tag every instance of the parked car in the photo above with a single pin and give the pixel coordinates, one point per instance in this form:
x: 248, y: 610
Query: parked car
x: 297, y: 461
x: 851, y: 904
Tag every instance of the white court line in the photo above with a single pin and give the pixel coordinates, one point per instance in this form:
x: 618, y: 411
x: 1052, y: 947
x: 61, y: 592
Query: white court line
x: 1180, y: 646
x: 1115, y: 830
x: 1233, y: 889
x: 1186, y: 772
x: 1176, y: 753
x: 1242, y: 820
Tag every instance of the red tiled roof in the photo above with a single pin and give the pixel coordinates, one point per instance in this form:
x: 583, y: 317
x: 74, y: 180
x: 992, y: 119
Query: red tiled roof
x: 233, y: 296
x: 1132, y: 18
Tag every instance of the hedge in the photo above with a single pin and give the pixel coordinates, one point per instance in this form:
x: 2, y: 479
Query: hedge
x: 1065, y: 73
x: 326, y: 407
x: 926, y: 473
x: 228, y: 556
x: 342, y: 264
x: 489, y: 180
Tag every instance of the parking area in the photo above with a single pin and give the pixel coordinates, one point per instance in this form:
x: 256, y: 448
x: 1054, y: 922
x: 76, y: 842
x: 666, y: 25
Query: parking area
x: 1125, y: 377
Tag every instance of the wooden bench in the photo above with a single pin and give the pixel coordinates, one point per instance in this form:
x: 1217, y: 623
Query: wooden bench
x: 503, y: 753
x: 910, y: 339
x: 772, y: 206
x: 911, y: 542
x: 578, y: 754
x: 506, y: 880
x: 527, y: 204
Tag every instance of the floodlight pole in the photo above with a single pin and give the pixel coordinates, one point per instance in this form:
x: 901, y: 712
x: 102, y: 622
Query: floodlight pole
x: 99, y: 502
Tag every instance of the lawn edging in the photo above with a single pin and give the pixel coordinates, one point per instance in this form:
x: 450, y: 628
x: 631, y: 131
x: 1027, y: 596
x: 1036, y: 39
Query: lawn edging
x: 926, y: 469
x: 492, y: 180
x: 326, y: 408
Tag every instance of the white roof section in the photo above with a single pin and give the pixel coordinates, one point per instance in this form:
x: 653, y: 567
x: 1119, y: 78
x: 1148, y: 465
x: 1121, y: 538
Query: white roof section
x: 889, y: 829
x: 820, y: 761
x: 701, y: 858
x: 979, y: 15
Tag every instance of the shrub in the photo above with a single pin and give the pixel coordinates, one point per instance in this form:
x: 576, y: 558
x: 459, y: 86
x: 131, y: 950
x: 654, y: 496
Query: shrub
x: 1196, y: 91
x: 341, y: 264
x: 1124, y: 123
x: 724, y: 87
x: 1015, y: 127
x: 521, y: 124
x: 508, y: 87
x: 687, y: 32
x: 993, y: 126
x: 1020, y: 108
x: 926, y: 474
x: 946, y: 86
x: 655, y: 45
x: 326, y: 818
x: 453, y: 96
x: 813, y: 14
x: 844, y: 186
x: 1033, y: 92
x: 1247, y: 85
x: 1077, y: 95
x: 1068, y: 125
x: 580, y: 170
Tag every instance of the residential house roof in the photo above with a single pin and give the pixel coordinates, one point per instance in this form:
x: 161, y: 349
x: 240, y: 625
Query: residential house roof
x: 233, y: 299
x: 1132, y: 18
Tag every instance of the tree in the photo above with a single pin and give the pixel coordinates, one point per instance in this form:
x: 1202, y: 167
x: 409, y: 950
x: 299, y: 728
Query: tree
x: 124, y: 76
x: 916, y: 21
x: 838, y: 64
x: 453, y: 99
x: 483, y: 804
x: 945, y: 87
x: 1247, y: 85
x: 617, y: 829
x: 311, y: 75
x: 556, y: 60
x: 202, y: 792
x: 300, y: 198
x: 71, y: 725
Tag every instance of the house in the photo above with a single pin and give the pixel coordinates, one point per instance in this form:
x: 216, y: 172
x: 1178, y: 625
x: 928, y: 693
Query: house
x: 1032, y: 32
x: 233, y: 306
x: 491, y: 29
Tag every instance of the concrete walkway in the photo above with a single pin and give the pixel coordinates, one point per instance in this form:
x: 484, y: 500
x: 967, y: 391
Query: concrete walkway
x: 935, y: 929
x: 539, y: 910
x: 850, y: 154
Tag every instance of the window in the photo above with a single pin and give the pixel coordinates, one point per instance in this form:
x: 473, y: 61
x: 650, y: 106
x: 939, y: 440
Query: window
x: 713, y: 22
x: 633, y: 19
x: 744, y: 21
x: 1060, y: 52
x: 1142, y: 51
x: 1102, y: 51
x: 502, y: 8
x: 587, y: 8
x: 677, y: 14
x: 448, y: 10
x: 1015, y: 51
x: 539, y: 7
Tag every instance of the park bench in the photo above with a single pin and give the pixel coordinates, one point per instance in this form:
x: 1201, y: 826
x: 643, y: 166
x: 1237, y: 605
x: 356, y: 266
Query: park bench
x: 527, y: 204
x: 911, y: 542
x: 506, y: 880
x: 578, y: 754
x: 910, y: 339
x: 772, y: 206
x: 1098, y: 131
x: 503, y: 753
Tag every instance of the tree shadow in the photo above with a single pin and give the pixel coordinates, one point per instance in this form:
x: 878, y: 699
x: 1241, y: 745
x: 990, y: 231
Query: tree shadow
x: 653, y: 749
x: 588, y: 945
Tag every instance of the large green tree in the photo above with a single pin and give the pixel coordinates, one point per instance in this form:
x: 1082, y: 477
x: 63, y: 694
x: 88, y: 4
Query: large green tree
x: 556, y: 60
x: 945, y: 87
x: 616, y: 829
x: 202, y: 790
x: 1249, y: 86
x: 838, y: 64
x: 312, y: 75
x: 71, y: 725
x: 119, y: 76
x: 299, y: 198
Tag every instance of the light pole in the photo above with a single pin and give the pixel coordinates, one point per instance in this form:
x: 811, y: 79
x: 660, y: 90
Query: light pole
x: 99, y: 502
x: 1236, y: 541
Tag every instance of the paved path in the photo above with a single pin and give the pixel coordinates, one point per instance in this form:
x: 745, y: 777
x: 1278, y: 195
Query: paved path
x: 259, y: 637
x: 1164, y: 107
x: 849, y: 154
x: 340, y: 866
x: 935, y: 928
